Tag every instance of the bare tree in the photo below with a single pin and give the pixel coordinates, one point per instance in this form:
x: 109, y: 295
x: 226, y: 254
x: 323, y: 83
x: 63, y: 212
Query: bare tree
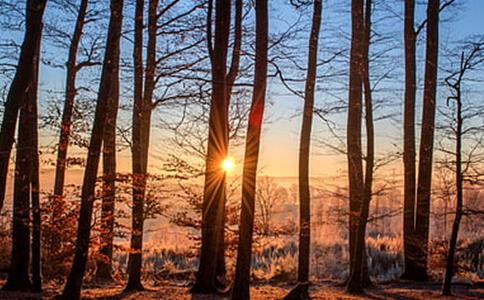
x: 72, y: 288
x: 143, y: 105
x: 211, y: 271
x: 354, y: 152
x: 426, y: 143
x: 22, y: 80
x: 72, y: 68
x: 469, y: 60
x: 301, y: 290
x: 244, y: 251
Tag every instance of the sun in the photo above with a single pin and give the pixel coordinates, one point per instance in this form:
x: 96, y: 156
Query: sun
x: 228, y: 164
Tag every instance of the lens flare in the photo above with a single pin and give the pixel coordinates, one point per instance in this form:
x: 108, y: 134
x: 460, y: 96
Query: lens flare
x: 228, y: 164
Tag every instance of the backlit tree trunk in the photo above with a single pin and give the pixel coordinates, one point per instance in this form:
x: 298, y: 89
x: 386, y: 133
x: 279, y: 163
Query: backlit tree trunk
x: 354, y: 151
x: 301, y: 291
x: 104, y: 265
x: 65, y: 128
x: 359, y: 278
x: 256, y: 116
x: 409, y: 142
x: 141, y: 136
x: 18, y: 275
x: 19, y: 87
x: 34, y: 178
x: 214, y: 188
x: 72, y: 288
x: 427, y: 142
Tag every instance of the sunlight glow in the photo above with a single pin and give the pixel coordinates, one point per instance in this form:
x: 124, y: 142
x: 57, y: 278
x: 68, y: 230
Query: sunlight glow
x: 228, y: 164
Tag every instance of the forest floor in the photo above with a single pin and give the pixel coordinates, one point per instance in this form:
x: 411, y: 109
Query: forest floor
x: 326, y: 290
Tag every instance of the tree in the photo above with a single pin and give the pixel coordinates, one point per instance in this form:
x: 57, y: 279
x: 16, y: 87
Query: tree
x: 359, y: 277
x: 32, y: 110
x: 244, y: 251
x: 426, y: 143
x: 301, y: 291
x: 72, y: 69
x: 141, y: 132
x: 409, y: 141
x: 26, y: 189
x: 353, y: 136
x: 104, y: 264
x: 411, y: 240
x: 469, y: 60
x: 22, y: 80
x: 211, y: 270
x: 72, y: 288
x: 268, y: 195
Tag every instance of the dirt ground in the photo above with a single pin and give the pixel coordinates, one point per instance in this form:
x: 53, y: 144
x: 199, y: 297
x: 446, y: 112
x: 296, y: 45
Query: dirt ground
x: 170, y: 290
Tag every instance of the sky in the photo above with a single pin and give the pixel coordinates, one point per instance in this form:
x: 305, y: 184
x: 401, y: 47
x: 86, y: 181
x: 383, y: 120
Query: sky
x: 280, y: 138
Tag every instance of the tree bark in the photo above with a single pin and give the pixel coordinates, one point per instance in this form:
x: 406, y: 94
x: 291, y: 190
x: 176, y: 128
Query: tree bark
x: 72, y: 288
x: 409, y: 143
x: 139, y: 181
x: 427, y: 142
x: 214, y: 188
x: 104, y: 265
x: 304, y: 153
x: 19, y: 87
x: 34, y: 179
x: 256, y: 115
x: 354, y: 152
x: 360, y: 278
x: 449, y: 270
x: 230, y: 80
x: 141, y: 136
x: 65, y: 129
x: 18, y: 276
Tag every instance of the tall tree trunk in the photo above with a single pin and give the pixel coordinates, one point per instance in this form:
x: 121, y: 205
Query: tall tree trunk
x: 252, y: 145
x: 70, y: 93
x: 18, y: 276
x: 427, y: 142
x: 19, y: 87
x: 370, y: 138
x: 449, y: 270
x: 72, y: 288
x: 354, y: 153
x: 141, y: 136
x: 409, y: 143
x: 104, y: 264
x: 139, y: 181
x: 360, y: 278
x: 230, y: 80
x: 34, y: 179
x: 301, y: 290
x: 214, y: 188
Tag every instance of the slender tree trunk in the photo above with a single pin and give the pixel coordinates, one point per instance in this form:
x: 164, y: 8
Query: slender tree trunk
x: 427, y: 142
x: 18, y: 276
x: 105, y: 264
x: 249, y: 176
x: 230, y: 80
x: 72, y: 288
x: 19, y: 87
x: 449, y: 270
x: 301, y: 290
x: 214, y: 188
x: 370, y: 138
x: 141, y: 135
x: 34, y: 179
x: 139, y: 180
x: 409, y: 143
x: 70, y: 93
x: 355, y: 168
